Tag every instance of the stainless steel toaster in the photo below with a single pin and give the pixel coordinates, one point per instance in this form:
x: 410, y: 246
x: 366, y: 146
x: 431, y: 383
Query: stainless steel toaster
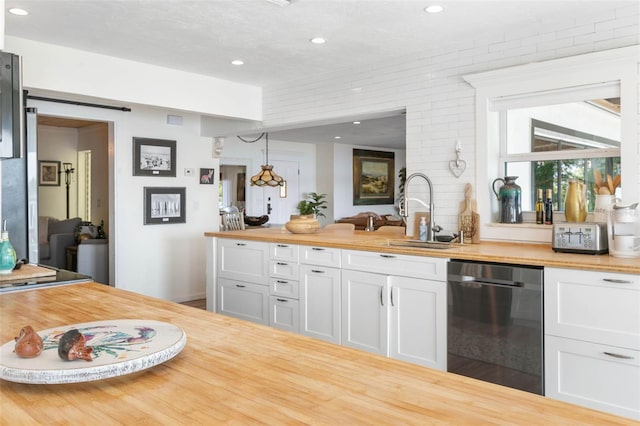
x: 586, y: 237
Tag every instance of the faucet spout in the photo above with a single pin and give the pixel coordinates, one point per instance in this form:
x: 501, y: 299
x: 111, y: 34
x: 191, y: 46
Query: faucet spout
x: 404, y: 208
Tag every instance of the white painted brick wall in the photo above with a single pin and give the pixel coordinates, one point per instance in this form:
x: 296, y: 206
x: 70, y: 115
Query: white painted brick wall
x: 440, y: 105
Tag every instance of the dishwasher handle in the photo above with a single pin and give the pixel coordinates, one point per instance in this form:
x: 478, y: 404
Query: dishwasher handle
x: 487, y: 281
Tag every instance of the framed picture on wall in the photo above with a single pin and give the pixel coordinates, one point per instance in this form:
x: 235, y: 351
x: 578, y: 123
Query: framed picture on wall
x: 373, y: 173
x: 207, y: 176
x: 48, y: 173
x: 164, y: 205
x: 154, y: 157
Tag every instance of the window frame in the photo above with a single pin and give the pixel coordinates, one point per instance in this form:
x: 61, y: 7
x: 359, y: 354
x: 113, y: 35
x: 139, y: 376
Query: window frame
x: 565, y: 74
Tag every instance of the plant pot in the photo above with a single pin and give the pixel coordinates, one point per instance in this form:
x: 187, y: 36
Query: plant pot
x: 303, y: 225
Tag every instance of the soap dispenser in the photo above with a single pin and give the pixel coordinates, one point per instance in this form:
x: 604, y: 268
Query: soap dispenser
x: 423, y: 229
x: 7, y: 252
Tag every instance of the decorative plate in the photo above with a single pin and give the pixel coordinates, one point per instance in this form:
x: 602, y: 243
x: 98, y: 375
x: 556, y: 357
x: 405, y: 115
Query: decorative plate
x: 119, y: 347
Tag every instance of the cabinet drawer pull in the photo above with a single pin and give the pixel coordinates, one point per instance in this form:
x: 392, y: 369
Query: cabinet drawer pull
x: 620, y: 356
x: 317, y: 248
x: 317, y: 271
x: 282, y: 282
x: 381, y: 300
x: 617, y: 281
x: 281, y: 300
x: 392, y: 304
x: 387, y: 256
x: 282, y: 245
x: 282, y: 263
x: 241, y: 244
x: 240, y: 286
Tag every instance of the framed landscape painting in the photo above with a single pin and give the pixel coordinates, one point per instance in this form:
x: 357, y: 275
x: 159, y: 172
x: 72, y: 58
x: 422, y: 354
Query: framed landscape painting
x: 154, y: 157
x: 373, y: 173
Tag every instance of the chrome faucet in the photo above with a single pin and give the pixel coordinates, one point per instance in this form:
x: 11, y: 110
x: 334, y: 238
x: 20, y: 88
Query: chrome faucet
x: 403, y: 206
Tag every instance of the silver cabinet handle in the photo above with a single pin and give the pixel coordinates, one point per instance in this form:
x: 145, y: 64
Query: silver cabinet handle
x: 240, y: 286
x: 387, y: 256
x: 282, y: 282
x: 317, y: 248
x: 282, y: 245
x: 281, y: 263
x: 282, y: 300
x: 619, y: 356
x: 392, y: 304
x: 381, y: 299
x: 617, y: 281
x: 317, y: 271
x: 240, y: 244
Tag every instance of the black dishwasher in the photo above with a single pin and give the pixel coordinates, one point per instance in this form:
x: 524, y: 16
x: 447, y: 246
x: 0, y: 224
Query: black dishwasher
x: 494, y: 323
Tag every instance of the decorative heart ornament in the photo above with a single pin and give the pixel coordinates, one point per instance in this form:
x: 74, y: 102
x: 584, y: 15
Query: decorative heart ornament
x: 457, y: 167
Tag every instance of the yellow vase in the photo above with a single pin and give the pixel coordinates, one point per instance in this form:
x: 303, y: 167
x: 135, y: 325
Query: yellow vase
x: 575, y: 202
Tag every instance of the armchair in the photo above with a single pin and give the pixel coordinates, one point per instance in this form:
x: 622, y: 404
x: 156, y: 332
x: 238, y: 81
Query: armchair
x: 55, y: 236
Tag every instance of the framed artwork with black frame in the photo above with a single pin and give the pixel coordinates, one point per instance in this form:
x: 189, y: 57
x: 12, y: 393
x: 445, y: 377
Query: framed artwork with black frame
x: 373, y: 173
x: 154, y: 157
x: 164, y: 205
x: 48, y: 173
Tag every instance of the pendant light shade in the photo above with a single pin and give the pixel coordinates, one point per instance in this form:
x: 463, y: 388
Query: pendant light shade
x: 266, y: 176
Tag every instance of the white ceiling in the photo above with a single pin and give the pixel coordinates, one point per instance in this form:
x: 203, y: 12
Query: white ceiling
x: 204, y: 36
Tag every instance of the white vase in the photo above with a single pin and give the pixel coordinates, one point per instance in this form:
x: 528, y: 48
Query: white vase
x: 602, y: 207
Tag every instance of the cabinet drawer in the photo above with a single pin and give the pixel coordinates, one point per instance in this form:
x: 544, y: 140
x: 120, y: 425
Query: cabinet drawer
x: 243, y: 300
x: 284, y: 288
x: 284, y: 313
x: 598, y: 307
x: 595, y: 376
x: 395, y: 264
x: 282, y: 269
x: 243, y: 260
x: 322, y: 256
x: 287, y: 252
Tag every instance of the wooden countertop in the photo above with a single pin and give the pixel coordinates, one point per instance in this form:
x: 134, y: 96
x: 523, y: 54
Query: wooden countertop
x: 515, y: 253
x: 232, y: 371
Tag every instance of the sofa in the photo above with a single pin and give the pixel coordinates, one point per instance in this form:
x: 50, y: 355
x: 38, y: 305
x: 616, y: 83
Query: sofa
x: 360, y: 220
x: 54, y: 236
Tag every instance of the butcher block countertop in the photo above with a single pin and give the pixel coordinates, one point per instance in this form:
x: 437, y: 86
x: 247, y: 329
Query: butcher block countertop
x: 515, y: 253
x: 232, y: 371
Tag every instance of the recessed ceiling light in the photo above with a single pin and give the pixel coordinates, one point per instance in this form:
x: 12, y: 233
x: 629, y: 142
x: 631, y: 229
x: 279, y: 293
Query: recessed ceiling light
x: 18, y: 11
x: 318, y: 40
x: 336, y: 137
x: 434, y: 9
x: 356, y: 122
x: 237, y: 62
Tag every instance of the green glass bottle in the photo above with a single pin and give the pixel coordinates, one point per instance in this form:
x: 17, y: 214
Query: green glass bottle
x: 7, y: 252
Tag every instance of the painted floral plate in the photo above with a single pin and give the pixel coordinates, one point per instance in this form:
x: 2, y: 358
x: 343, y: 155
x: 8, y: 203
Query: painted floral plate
x: 119, y: 347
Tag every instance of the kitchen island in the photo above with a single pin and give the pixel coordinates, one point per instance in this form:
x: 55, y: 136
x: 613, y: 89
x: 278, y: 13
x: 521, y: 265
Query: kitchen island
x: 233, y: 371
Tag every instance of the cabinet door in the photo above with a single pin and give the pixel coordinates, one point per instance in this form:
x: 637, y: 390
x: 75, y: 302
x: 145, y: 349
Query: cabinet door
x: 599, y: 307
x: 243, y: 260
x: 243, y: 300
x: 418, y: 321
x: 596, y: 376
x: 364, y: 311
x: 284, y: 313
x: 320, y: 302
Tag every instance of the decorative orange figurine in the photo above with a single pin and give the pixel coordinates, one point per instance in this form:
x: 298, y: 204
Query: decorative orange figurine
x: 72, y: 346
x: 29, y: 343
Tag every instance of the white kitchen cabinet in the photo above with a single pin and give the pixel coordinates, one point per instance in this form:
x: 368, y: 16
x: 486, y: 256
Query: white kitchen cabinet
x: 284, y: 305
x: 320, y: 302
x: 418, y: 322
x: 243, y: 300
x: 592, y: 339
x: 395, y: 310
x: 243, y: 260
x: 320, y: 256
x: 365, y: 311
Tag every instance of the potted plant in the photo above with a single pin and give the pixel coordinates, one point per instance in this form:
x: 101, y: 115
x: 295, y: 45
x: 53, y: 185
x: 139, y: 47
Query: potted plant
x: 313, y: 204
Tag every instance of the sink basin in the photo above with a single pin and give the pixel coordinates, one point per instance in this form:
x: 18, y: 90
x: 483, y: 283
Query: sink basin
x: 421, y: 244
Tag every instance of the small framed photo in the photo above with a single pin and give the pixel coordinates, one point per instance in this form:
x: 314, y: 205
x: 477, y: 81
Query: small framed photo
x: 207, y: 176
x: 154, y: 157
x: 48, y: 173
x: 164, y: 205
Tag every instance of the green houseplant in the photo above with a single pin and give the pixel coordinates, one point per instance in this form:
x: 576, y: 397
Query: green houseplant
x: 313, y: 204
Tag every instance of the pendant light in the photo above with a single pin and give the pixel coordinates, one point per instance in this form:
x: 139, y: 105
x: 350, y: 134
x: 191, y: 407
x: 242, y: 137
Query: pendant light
x: 266, y: 176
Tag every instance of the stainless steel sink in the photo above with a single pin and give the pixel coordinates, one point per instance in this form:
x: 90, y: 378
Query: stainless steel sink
x: 421, y: 244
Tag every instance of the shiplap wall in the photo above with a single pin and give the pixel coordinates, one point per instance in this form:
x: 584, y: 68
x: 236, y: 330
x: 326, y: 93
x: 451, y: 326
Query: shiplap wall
x: 439, y: 104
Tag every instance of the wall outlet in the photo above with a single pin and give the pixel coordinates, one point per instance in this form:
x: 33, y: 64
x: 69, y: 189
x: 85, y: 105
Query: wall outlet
x: 189, y: 172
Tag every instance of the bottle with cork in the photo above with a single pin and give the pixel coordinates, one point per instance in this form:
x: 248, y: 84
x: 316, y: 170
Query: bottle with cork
x: 539, y: 207
x: 548, y: 208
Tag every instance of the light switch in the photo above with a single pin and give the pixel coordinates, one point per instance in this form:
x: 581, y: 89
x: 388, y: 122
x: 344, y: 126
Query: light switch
x: 189, y: 172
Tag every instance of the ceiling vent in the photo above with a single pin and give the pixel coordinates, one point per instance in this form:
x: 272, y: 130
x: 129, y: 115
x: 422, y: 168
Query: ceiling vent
x: 281, y: 3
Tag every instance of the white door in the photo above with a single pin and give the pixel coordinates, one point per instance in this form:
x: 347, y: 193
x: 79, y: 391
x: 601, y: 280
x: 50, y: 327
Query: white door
x: 364, y: 311
x: 280, y: 203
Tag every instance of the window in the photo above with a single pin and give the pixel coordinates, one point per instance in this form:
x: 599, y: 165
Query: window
x: 558, y: 148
